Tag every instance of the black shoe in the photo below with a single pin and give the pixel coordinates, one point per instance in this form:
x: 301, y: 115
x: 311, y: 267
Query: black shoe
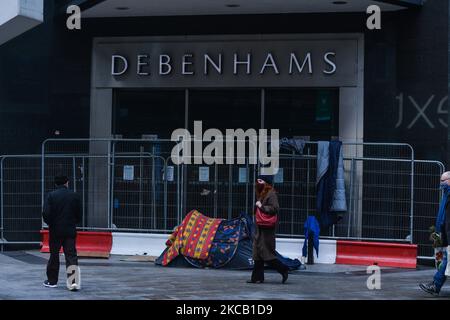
x: 429, y: 288
x: 255, y: 281
x: 50, y: 285
x: 285, y: 277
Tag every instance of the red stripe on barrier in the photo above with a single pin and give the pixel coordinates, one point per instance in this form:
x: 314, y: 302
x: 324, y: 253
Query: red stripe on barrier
x: 89, y: 244
x: 383, y: 254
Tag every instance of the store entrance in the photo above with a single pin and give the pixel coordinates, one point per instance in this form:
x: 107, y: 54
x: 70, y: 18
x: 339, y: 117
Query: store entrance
x: 211, y: 189
x: 311, y: 113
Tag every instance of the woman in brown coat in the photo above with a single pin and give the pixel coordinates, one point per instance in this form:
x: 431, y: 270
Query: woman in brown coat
x: 264, y: 238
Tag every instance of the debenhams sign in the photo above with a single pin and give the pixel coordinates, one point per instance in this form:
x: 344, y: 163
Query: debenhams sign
x: 239, y: 63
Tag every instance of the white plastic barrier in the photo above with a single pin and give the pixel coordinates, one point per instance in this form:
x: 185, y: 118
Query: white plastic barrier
x: 154, y: 244
x: 292, y: 248
x: 138, y: 243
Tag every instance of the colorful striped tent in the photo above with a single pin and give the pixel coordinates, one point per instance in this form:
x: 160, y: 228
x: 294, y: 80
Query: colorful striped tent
x: 204, y: 242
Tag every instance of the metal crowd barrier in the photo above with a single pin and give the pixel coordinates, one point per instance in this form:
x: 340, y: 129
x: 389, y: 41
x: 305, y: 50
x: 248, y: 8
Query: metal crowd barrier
x: 131, y: 185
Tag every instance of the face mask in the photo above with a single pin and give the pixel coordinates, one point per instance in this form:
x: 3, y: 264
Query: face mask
x: 444, y: 186
x: 259, y: 187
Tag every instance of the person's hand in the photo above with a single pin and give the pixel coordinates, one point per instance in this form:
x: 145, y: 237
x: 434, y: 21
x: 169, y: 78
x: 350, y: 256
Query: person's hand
x: 258, y: 204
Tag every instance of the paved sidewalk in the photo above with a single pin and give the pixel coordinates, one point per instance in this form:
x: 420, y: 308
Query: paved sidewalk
x: 22, y: 274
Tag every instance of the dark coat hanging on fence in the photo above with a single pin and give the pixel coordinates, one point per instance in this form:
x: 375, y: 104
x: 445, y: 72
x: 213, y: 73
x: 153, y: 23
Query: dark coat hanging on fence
x: 330, y: 199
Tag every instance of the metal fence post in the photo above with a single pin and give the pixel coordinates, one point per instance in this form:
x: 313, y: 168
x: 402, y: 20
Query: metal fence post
x: 350, y: 201
x: 140, y: 206
x: 111, y: 176
x: 83, y: 181
x: 184, y: 191
x: 154, y: 193
x: 165, y: 194
x: 247, y: 182
x: 412, y: 198
x: 43, y: 177
x: 230, y: 190
x: 308, y: 167
x: 2, y: 202
x: 215, y: 200
x: 255, y: 175
x: 292, y: 192
x: 74, y: 175
x: 179, y: 193
x: 109, y: 184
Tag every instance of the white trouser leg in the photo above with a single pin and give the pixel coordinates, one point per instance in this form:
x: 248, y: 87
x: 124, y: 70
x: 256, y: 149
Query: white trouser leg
x: 447, y: 269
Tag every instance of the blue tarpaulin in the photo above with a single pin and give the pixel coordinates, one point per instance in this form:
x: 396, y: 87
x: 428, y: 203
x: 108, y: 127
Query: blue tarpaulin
x: 231, y: 248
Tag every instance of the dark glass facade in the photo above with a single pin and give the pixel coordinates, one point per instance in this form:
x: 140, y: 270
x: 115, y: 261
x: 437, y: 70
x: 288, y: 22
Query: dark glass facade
x: 310, y: 113
x: 151, y: 112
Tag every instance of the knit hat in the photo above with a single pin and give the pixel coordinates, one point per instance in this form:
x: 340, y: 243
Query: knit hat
x: 266, y: 178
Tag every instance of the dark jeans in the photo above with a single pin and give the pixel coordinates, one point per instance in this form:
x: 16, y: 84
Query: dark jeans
x: 439, y: 277
x: 70, y: 254
x: 258, y: 268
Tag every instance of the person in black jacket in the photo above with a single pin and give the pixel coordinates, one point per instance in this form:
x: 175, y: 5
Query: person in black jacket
x: 62, y: 212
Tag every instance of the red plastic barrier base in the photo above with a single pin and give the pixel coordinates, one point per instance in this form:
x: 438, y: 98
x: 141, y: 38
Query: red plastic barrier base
x: 89, y: 244
x: 379, y: 253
